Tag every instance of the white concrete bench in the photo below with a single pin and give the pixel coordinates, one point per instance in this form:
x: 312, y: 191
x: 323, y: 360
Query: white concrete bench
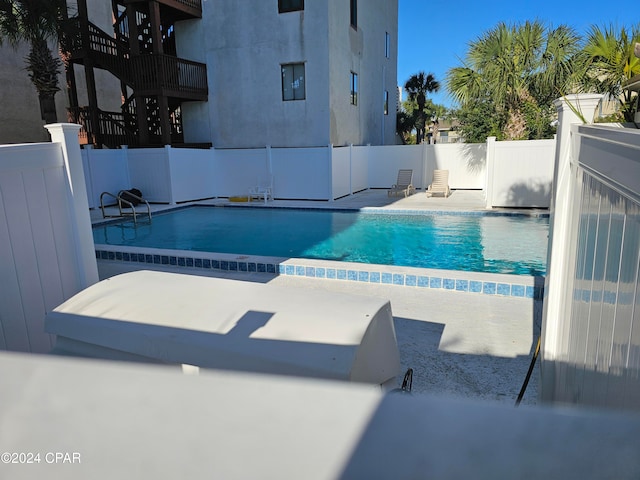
x: 227, y: 324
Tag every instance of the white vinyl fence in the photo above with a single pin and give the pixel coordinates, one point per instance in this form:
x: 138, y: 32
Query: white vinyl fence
x: 512, y: 174
x: 46, y: 245
x: 520, y: 173
x: 591, y: 325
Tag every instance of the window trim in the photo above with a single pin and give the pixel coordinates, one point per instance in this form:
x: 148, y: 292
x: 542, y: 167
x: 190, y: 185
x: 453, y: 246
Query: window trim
x: 387, y: 45
x: 304, y: 77
x: 354, y: 89
x: 353, y: 13
x: 385, y: 106
x: 284, y: 9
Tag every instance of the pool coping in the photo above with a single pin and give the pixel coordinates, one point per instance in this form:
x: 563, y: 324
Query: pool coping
x: 499, y: 284
x: 530, y: 213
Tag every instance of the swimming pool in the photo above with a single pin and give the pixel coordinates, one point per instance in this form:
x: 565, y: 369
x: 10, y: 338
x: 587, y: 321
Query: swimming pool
x: 479, y: 242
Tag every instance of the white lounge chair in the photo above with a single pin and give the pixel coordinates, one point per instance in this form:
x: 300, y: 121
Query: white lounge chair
x: 263, y: 190
x: 440, y: 184
x: 404, y: 184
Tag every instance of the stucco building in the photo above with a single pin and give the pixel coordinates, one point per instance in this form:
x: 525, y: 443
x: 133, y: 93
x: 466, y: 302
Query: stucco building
x: 227, y: 73
x: 294, y: 73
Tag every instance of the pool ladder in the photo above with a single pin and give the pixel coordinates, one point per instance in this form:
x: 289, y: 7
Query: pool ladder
x: 123, y: 202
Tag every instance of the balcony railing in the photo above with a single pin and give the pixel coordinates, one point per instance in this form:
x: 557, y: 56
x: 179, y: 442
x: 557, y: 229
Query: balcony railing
x: 171, y: 76
x: 193, y: 8
x: 107, y: 52
x: 113, y: 128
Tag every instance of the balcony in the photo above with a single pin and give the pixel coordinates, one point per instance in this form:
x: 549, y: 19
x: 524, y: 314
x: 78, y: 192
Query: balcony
x: 179, y: 9
x: 169, y: 76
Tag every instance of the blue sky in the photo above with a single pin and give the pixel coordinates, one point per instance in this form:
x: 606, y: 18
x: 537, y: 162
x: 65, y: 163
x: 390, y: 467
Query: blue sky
x: 433, y: 36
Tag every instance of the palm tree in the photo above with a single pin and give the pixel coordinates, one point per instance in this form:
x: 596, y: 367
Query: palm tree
x: 403, y: 125
x: 521, y: 68
x: 417, y: 88
x: 36, y: 22
x: 611, y: 61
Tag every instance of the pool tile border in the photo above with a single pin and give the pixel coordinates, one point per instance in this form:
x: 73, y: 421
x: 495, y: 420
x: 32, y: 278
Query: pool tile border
x: 420, y: 278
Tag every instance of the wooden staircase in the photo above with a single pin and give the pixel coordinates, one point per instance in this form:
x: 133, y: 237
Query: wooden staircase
x: 154, y: 82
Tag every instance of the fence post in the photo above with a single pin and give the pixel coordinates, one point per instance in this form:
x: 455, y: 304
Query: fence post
x: 560, y: 247
x: 169, y: 178
x: 124, y: 152
x: 66, y: 134
x: 490, y: 165
x: 88, y: 174
x: 330, y: 169
x: 425, y: 166
x: 350, y: 168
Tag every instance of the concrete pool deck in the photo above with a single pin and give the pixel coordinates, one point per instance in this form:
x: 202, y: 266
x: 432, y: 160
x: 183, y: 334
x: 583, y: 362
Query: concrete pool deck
x: 458, y: 201
x: 459, y: 344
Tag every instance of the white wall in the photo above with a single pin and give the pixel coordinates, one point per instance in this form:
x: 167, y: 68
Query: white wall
x: 301, y: 173
x: 359, y: 168
x: 191, y: 173
x: 169, y: 175
x: 521, y: 173
x: 236, y: 171
x: 384, y: 163
x: 105, y: 171
x: 466, y: 163
x: 149, y: 172
x: 46, y: 246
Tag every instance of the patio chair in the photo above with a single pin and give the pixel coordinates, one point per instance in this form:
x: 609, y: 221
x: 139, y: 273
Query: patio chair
x: 263, y: 190
x: 403, y: 184
x: 440, y: 184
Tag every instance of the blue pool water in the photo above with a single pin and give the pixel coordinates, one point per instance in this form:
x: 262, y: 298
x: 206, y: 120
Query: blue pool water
x: 479, y: 243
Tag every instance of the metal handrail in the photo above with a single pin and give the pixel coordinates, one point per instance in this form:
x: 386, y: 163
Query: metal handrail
x: 131, y: 205
x: 121, y: 201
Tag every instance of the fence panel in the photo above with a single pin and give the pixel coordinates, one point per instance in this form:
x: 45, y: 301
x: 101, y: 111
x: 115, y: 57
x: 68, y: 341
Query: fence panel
x: 522, y: 173
x: 592, y: 356
x: 236, y: 171
x: 38, y: 260
x: 150, y: 172
x: 105, y: 171
x: 385, y: 161
x: 191, y: 174
x: 466, y: 163
x: 301, y: 173
x: 360, y: 168
x: 340, y: 171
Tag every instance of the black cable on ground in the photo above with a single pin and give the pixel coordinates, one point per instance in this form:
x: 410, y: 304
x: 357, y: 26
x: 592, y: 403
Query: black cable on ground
x: 407, y: 383
x: 526, y: 380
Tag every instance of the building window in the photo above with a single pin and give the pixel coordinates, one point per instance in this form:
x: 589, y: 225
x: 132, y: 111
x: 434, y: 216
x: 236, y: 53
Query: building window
x: 386, y: 102
x: 290, y: 5
x: 293, y: 81
x: 354, y: 88
x: 354, y: 13
x: 387, y: 45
